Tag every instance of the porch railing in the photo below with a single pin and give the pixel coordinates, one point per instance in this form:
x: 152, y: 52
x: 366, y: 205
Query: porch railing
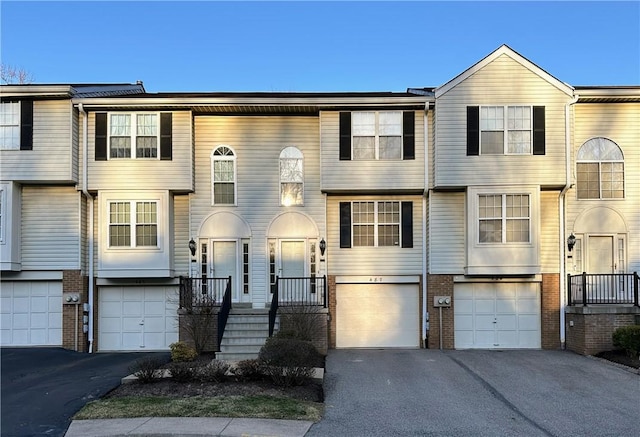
x: 603, y: 289
x: 225, y: 309
x: 309, y: 291
x: 202, y: 291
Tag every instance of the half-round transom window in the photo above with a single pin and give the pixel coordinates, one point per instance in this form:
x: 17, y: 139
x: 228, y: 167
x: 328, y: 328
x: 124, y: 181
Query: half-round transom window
x: 600, y: 170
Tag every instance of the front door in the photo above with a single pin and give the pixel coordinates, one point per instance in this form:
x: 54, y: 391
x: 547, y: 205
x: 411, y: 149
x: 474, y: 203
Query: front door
x: 224, y: 261
x: 601, y: 262
x: 292, y: 265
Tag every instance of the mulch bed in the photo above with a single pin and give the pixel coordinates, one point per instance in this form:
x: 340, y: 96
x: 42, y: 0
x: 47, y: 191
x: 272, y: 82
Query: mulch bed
x: 620, y: 357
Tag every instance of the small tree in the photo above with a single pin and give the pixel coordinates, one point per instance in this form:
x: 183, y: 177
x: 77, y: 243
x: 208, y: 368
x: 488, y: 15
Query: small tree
x: 14, y: 75
x: 200, y: 322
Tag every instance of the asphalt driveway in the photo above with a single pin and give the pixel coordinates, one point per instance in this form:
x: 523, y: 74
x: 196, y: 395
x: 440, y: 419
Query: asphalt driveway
x: 476, y: 393
x: 43, y: 387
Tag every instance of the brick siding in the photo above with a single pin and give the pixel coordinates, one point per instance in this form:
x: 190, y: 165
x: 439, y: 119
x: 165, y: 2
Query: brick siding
x: 550, y: 311
x: 74, y: 281
x: 440, y: 285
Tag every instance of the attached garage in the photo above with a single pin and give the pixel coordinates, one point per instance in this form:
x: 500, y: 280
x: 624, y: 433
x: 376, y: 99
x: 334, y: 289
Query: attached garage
x: 497, y: 315
x: 377, y: 315
x: 137, y: 318
x: 31, y: 313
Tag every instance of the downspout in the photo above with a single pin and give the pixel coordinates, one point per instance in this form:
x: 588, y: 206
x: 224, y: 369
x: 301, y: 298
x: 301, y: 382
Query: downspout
x: 85, y: 191
x: 425, y: 314
x: 561, y: 207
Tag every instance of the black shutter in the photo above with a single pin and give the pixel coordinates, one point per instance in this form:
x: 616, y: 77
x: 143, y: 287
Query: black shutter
x: 26, y: 125
x: 407, y: 224
x: 101, y: 136
x: 345, y: 224
x: 538, y: 130
x: 473, y: 130
x: 408, y: 135
x: 345, y: 136
x: 166, y: 130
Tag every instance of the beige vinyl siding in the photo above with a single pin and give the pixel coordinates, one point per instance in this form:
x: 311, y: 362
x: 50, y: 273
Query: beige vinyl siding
x: 181, y: 235
x: 373, y: 260
x: 50, y: 228
x: 447, y: 233
x: 75, y: 144
x: 51, y: 157
x: 362, y: 175
x: 549, y: 232
x: 257, y: 142
x: 431, y: 154
x: 620, y: 123
x: 502, y: 82
x: 145, y: 174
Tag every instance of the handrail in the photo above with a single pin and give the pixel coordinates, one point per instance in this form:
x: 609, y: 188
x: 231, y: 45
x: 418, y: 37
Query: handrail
x: 603, y: 289
x: 273, y: 310
x: 225, y: 309
x: 302, y: 291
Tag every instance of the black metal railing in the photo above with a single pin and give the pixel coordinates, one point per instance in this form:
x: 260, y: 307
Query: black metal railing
x: 303, y: 291
x: 603, y: 289
x: 225, y: 309
x: 202, y: 291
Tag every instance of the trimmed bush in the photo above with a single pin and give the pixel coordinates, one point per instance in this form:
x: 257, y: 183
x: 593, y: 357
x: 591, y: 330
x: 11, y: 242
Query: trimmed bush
x: 628, y: 338
x: 146, y: 369
x: 181, y: 351
x: 288, y: 361
x: 215, y: 371
x: 249, y: 370
x: 183, y: 371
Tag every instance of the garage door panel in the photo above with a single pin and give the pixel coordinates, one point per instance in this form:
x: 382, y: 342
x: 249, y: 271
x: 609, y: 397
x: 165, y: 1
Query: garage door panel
x: 463, y: 322
x: 380, y: 315
x: 484, y: 322
x: 132, y: 308
x: 21, y: 304
x: 529, y: 322
x: 506, y: 322
x: 528, y: 306
x: 483, y: 306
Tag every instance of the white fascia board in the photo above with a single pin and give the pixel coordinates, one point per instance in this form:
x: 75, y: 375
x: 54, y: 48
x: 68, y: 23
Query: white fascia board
x: 36, y: 91
x: 503, y: 50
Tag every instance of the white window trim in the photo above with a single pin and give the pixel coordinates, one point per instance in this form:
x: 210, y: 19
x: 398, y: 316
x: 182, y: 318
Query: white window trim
x: 233, y: 158
x: 281, y: 181
x: 503, y: 219
x: 376, y: 223
x: 133, y: 223
x: 600, y: 162
x: 133, y: 135
x: 3, y: 213
x: 377, y: 137
x: 18, y: 104
x: 505, y: 130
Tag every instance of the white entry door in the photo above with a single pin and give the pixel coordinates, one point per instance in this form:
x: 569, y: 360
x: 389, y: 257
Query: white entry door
x: 224, y: 264
x: 601, y: 255
x: 292, y: 265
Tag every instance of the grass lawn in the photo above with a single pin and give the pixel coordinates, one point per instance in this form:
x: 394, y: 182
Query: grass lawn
x: 264, y: 407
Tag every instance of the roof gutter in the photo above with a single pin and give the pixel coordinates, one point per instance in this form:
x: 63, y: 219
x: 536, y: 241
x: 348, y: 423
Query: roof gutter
x: 561, y: 207
x: 90, y: 232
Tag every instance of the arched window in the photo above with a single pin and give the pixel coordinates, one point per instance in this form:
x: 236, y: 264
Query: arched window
x: 223, y: 176
x: 291, y: 177
x: 600, y: 170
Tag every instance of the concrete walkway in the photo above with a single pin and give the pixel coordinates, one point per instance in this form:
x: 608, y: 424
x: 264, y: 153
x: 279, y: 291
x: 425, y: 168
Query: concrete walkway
x: 188, y: 426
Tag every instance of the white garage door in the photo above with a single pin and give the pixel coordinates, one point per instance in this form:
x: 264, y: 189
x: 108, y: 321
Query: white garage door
x: 137, y: 318
x: 31, y: 313
x: 377, y: 315
x: 497, y: 316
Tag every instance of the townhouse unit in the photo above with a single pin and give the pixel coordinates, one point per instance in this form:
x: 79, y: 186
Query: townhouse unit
x: 435, y: 217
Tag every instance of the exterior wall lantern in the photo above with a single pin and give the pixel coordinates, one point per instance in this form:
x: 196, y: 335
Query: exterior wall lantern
x: 571, y: 241
x: 323, y: 247
x: 192, y: 247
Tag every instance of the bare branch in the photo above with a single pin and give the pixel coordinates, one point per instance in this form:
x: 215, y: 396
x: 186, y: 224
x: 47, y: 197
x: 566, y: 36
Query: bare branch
x: 10, y: 74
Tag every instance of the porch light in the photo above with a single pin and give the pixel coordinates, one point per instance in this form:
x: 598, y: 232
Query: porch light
x: 571, y: 241
x: 192, y: 247
x: 323, y: 247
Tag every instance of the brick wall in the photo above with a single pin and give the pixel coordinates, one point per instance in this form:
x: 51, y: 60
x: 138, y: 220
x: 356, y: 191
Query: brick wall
x: 74, y: 282
x: 440, y: 285
x: 312, y: 320
x: 331, y: 289
x: 589, y: 330
x: 550, y: 311
x: 211, y: 344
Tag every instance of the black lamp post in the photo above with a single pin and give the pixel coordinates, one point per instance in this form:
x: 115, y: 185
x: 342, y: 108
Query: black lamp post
x: 571, y: 241
x: 192, y: 247
x: 323, y: 247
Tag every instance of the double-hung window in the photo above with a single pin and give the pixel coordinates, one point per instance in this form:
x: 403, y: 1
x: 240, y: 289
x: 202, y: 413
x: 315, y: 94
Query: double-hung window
x: 10, y: 126
x: 133, y: 224
x: 377, y: 135
x: 291, y: 177
x: 376, y: 224
x: 504, y: 218
x: 223, y: 176
x: 133, y: 135
x: 600, y: 170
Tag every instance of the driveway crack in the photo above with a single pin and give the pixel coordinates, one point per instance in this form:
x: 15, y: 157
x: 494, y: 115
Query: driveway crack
x: 496, y: 393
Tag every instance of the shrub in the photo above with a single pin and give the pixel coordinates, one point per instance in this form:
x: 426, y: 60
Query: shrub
x: 250, y: 370
x: 301, y: 322
x: 181, y: 351
x: 215, y: 371
x: 183, y: 371
x: 146, y: 369
x: 288, y: 361
x: 199, y: 323
x: 628, y: 338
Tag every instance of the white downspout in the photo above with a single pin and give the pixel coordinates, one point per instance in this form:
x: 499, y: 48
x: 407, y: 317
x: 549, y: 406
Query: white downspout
x: 85, y: 191
x: 561, y: 207
x: 425, y: 322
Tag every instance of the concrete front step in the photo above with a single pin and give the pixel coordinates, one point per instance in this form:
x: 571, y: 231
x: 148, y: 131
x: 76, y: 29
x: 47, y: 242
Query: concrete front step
x: 246, y: 332
x: 235, y: 356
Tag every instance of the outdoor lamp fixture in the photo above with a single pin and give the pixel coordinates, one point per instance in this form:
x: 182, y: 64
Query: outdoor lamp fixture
x: 323, y: 247
x: 192, y: 247
x: 571, y: 241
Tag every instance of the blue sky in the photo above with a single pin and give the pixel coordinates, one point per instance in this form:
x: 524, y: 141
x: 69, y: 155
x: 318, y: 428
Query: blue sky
x: 313, y: 46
